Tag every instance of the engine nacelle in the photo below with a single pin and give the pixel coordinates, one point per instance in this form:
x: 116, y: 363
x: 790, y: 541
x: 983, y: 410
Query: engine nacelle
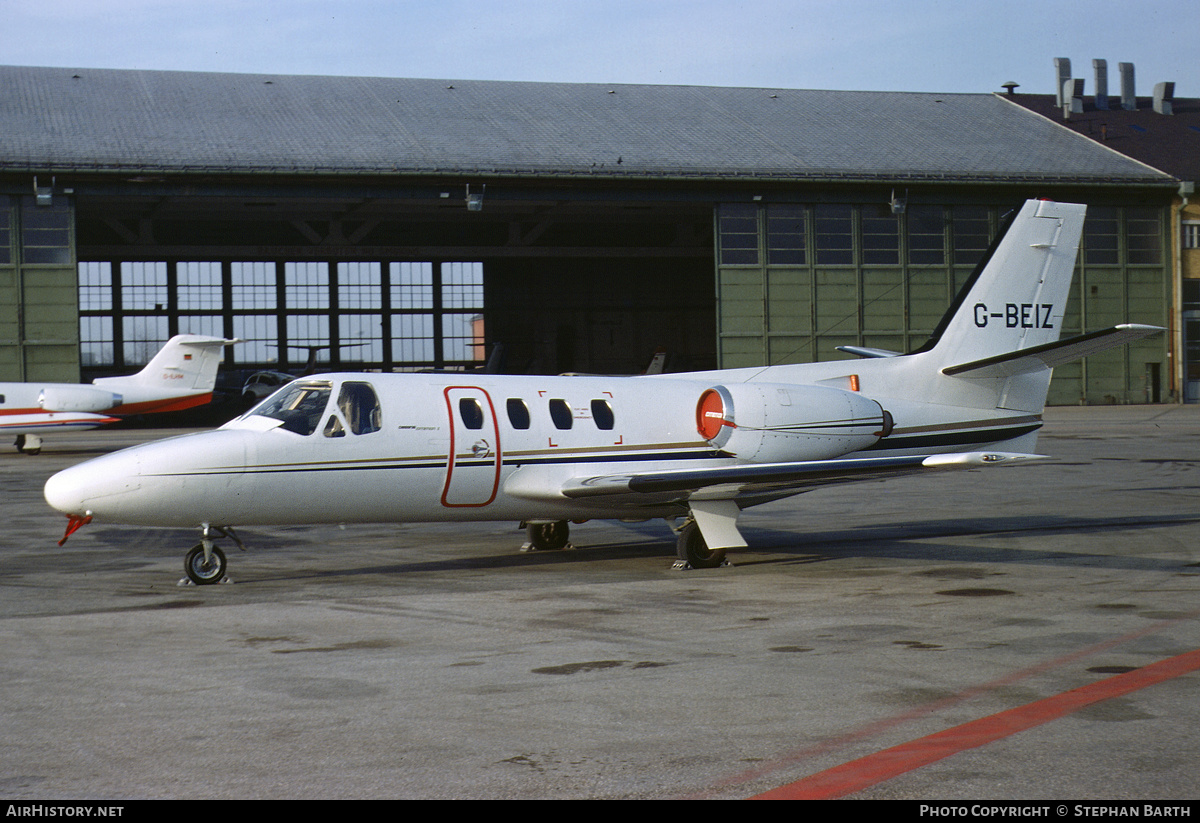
x: 77, y: 399
x: 773, y: 423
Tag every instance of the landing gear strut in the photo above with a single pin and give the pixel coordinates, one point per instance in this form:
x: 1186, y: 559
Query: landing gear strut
x: 548, y: 536
x: 693, y: 552
x: 205, y: 563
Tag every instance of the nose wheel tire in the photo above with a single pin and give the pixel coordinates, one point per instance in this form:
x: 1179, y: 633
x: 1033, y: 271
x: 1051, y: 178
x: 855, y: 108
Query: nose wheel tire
x: 204, y: 572
x: 693, y: 552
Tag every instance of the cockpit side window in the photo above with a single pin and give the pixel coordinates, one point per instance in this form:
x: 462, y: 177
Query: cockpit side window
x: 299, y: 406
x: 359, y: 404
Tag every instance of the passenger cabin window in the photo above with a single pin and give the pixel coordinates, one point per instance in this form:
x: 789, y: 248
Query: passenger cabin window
x: 518, y: 413
x: 602, y: 413
x: 471, y: 412
x: 560, y: 413
x: 299, y: 406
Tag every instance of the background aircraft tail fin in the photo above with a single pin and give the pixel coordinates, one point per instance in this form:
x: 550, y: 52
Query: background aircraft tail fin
x: 186, y: 365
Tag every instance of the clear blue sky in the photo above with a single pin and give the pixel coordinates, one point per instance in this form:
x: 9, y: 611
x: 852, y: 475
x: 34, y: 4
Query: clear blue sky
x: 870, y: 45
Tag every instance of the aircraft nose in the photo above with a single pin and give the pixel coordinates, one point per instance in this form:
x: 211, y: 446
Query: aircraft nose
x: 68, y: 490
x: 80, y: 489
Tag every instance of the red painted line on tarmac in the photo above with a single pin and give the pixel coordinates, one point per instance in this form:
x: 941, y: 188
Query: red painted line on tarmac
x: 875, y: 768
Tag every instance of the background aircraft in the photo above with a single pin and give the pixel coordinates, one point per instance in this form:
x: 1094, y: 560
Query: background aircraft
x: 180, y: 376
x: 696, y: 447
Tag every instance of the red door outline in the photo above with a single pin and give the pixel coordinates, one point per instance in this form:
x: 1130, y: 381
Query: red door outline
x: 464, y: 487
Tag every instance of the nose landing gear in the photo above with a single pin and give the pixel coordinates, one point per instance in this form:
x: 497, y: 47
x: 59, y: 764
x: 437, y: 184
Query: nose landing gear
x: 205, y: 563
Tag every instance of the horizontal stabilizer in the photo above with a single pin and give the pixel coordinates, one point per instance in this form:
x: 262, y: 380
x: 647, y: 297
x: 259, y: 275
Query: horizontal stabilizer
x: 863, y: 351
x: 1049, y: 355
x: 780, y: 476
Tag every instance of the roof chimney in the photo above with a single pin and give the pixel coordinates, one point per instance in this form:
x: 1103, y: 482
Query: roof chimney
x: 1062, y: 70
x: 1101, y: 67
x: 1072, y: 96
x: 1164, y: 94
x: 1128, y: 93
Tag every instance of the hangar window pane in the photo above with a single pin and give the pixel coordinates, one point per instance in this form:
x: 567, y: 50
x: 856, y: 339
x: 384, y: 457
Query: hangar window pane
x: 462, y: 285
x: 359, y: 286
x: 95, y: 287
x: 880, y: 239
x: 972, y: 234
x: 144, y: 336
x: 259, y: 334
x: 360, y: 338
x: 462, y: 338
x: 144, y: 286
x: 926, y: 236
x: 96, y: 341
x: 5, y: 230
x: 1143, y: 227
x: 1101, y: 236
x: 785, y: 235
x: 835, y: 234
x: 199, y: 286
x: 738, y: 233
x: 412, y: 338
x: 412, y: 285
x: 306, y: 285
x: 206, y: 324
x: 253, y: 285
x: 45, y: 232
x: 311, y: 332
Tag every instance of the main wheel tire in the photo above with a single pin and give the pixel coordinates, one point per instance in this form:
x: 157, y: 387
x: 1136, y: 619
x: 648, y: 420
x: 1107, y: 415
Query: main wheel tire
x: 691, y: 549
x: 548, y: 536
x: 200, y: 572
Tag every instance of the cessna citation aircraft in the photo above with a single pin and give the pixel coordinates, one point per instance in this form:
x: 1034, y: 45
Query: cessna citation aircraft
x: 357, y: 448
x: 180, y: 376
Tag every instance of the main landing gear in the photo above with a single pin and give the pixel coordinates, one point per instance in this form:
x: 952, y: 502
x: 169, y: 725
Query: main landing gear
x: 28, y: 444
x: 205, y: 564
x: 693, y: 552
x: 547, y: 536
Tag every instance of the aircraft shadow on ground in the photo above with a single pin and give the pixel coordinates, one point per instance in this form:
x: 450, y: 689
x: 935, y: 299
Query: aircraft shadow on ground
x: 926, y: 540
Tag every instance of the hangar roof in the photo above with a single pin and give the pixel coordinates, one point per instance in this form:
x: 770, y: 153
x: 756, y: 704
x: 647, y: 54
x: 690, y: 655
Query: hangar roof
x: 57, y: 119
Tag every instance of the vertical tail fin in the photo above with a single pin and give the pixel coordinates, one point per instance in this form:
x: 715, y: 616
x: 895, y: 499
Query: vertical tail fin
x: 1019, y: 296
x: 186, y: 367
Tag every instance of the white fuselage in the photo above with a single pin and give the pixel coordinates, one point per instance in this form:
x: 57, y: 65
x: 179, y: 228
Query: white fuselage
x: 491, y: 447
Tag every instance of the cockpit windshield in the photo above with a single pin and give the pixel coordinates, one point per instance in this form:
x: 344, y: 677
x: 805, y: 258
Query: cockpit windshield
x: 298, y: 405
x: 301, y: 406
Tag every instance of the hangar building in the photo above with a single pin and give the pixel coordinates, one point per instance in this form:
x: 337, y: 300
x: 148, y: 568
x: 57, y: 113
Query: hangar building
x: 397, y: 224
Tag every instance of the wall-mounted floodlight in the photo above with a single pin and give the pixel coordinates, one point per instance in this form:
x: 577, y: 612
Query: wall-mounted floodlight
x: 898, y: 204
x: 475, y: 199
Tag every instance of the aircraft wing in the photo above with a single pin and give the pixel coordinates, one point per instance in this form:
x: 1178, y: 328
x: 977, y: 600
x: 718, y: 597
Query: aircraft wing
x: 783, y: 478
x: 1050, y: 355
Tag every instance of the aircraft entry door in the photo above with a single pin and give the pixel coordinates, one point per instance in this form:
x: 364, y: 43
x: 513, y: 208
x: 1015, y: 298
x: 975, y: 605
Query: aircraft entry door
x: 473, y: 465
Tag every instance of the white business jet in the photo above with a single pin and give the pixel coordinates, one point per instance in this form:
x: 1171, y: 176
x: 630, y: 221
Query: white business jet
x: 180, y: 376
x: 699, y: 447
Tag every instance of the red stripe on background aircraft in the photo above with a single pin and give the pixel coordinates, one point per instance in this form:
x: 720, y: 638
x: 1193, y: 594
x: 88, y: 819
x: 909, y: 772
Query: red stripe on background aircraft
x: 180, y: 376
x: 356, y: 448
